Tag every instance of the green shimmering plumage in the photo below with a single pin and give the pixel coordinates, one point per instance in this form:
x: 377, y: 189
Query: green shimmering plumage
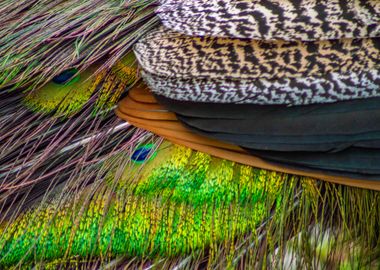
x: 183, y: 204
x: 180, y: 201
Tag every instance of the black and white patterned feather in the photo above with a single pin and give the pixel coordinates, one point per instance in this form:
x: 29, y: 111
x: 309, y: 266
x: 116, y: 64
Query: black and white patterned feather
x: 273, y: 19
x: 207, y: 69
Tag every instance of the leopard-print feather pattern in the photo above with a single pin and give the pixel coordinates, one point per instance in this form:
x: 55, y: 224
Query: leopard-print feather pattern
x: 167, y: 53
x: 298, y: 91
x: 307, y: 20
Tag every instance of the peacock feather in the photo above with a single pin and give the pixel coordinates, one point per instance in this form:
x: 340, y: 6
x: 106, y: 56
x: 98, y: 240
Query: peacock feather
x: 65, y: 124
x: 177, y: 202
x: 82, y: 189
x: 180, y: 202
x: 68, y: 92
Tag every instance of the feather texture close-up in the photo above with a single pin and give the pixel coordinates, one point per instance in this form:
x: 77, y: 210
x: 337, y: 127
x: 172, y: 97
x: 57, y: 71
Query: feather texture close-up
x: 189, y: 134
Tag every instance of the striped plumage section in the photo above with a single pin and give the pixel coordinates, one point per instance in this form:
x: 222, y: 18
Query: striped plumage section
x: 225, y: 70
x: 306, y: 20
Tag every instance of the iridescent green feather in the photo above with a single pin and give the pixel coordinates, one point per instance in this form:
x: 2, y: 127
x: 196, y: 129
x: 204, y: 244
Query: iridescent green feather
x: 181, y: 201
x: 105, y: 86
x: 186, y: 204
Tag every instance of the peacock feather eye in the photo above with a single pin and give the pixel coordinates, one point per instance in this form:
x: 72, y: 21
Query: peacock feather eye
x: 143, y: 153
x: 67, y: 77
x: 68, y: 92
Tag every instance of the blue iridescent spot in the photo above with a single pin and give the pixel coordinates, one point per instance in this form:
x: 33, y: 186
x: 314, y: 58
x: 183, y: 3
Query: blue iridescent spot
x: 142, y: 153
x: 66, y: 77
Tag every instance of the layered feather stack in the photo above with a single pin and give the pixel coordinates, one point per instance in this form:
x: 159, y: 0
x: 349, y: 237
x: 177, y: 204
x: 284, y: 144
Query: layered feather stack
x: 258, y: 100
x: 328, y: 68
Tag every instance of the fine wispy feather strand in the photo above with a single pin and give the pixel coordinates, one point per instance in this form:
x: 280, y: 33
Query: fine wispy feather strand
x: 41, y: 38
